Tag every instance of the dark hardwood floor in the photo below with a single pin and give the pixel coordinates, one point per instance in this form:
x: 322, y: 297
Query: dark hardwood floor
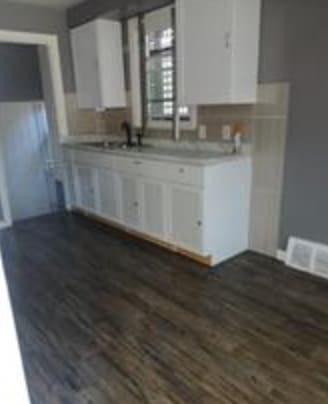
x: 103, y: 318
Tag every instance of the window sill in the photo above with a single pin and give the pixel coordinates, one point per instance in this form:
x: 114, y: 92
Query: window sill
x: 167, y: 125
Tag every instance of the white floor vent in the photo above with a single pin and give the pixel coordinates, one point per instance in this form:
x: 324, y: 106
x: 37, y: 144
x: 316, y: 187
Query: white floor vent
x: 307, y: 256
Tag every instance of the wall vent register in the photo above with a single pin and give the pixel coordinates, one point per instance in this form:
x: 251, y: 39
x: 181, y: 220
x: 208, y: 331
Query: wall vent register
x: 308, y: 256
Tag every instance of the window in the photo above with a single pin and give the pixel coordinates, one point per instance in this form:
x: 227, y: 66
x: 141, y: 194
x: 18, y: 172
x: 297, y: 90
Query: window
x: 159, y: 68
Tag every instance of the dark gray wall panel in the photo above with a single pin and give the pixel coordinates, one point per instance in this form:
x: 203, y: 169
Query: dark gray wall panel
x: 294, y: 48
x: 116, y: 9
x: 20, y: 78
x: 20, y: 17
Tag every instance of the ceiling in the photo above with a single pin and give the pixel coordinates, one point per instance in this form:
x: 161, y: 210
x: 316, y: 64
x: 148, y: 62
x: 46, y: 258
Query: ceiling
x: 59, y: 4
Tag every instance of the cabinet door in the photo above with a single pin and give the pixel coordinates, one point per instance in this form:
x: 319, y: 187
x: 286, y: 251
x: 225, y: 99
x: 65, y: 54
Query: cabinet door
x: 86, y: 65
x: 109, y: 193
x: 70, y: 195
x: 186, y: 227
x: 86, y: 187
x: 154, y: 208
x: 203, y: 51
x: 98, y: 64
x: 130, y: 202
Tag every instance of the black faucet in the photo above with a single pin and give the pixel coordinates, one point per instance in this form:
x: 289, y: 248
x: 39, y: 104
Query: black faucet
x: 128, y: 130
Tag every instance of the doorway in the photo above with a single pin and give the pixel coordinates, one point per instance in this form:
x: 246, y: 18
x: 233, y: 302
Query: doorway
x: 18, y: 178
x: 28, y: 156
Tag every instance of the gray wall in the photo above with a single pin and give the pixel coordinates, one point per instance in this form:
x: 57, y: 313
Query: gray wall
x: 20, y: 78
x: 294, y: 47
x: 19, y: 17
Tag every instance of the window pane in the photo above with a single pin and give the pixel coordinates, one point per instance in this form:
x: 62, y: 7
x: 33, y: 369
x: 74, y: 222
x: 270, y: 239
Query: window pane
x: 159, y: 65
x: 160, y: 77
x: 160, y: 110
x: 159, y: 40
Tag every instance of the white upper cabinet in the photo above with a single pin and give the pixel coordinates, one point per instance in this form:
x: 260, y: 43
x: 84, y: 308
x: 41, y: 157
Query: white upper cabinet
x: 98, y: 64
x: 217, y: 51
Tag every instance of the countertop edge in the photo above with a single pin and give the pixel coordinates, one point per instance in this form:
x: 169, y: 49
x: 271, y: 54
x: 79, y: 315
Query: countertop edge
x: 161, y: 157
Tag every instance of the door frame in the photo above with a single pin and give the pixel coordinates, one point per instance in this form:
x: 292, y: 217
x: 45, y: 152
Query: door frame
x: 51, y: 44
x: 4, y: 197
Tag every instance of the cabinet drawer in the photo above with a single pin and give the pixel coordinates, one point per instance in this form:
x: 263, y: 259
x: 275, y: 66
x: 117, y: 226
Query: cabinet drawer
x: 93, y: 159
x: 182, y: 174
x: 167, y: 171
x: 128, y: 165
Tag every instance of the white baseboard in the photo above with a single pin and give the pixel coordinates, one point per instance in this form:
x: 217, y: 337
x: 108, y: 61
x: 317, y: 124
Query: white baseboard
x: 281, y: 255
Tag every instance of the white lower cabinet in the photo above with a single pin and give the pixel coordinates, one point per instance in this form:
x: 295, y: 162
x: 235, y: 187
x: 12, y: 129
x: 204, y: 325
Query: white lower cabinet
x: 109, y: 190
x: 130, y: 201
x: 153, y: 208
x: 70, y: 185
x: 86, y: 186
x: 202, y: 210
x: 186, y: 219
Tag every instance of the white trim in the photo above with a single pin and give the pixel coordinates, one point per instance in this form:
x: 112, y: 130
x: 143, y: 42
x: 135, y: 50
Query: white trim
x: 4, y: 195
x: 135, y: 96
x: 51, y: 43
x: 281, y: 255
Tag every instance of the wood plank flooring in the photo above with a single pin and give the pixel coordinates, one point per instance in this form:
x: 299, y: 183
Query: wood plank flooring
x: 103, y: 318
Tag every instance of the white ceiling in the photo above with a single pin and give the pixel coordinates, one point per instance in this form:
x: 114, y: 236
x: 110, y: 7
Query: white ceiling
x: 59, y: 4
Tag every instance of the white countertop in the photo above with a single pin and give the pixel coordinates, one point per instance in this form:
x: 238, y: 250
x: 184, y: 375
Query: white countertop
x: 192, y: 157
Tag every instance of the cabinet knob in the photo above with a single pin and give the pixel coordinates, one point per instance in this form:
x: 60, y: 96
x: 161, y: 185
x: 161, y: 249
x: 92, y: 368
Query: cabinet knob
x: 199, y: 223
x: 137, y: 163
x: 136, y: 204
x: 181, y: 170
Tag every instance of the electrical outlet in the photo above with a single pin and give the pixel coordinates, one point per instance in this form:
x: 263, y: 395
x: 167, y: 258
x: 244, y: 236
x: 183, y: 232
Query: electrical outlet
x: 226, y: 132
x: 202, y: 132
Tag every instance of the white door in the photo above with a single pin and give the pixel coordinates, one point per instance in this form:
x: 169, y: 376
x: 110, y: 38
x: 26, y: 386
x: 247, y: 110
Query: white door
x: 130, y: 202
x: 86, y: 182
x: 153, y: 198
x: 186, y: 227
x: 109, y: 194
x: 25, y: 150
x: 13, y: 388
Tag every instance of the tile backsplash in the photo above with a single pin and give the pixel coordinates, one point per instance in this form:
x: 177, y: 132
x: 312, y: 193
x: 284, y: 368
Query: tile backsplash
x: 272, y: 105
x: 91, y: 121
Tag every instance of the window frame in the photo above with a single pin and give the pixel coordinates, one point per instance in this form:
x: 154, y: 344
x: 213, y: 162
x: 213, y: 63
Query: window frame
x: 139, y: 99
x: 167, y: 124
x: 189, y: 125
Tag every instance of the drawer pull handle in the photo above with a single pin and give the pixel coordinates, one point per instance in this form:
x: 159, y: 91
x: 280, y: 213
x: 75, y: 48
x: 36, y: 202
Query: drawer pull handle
x: 137, y: 163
